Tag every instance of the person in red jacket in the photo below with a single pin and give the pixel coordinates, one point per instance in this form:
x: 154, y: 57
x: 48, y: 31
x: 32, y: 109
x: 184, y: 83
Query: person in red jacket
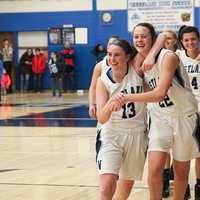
x: 5, y: 82
x: 68, y: 55
x: 38, y: 68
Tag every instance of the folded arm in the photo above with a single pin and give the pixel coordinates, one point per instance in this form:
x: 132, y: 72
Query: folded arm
x: 169, y: 65
x: 105, y: 105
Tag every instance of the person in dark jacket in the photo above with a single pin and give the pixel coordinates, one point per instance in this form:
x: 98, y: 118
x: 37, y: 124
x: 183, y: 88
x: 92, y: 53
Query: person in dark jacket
x: 26, y: 69
x: 56, y: 68
x: 100, y: 52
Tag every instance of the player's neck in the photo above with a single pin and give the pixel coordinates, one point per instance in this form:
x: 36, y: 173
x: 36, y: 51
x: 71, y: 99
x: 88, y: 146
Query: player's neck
x: 193, y: 53
x: 119, y: 74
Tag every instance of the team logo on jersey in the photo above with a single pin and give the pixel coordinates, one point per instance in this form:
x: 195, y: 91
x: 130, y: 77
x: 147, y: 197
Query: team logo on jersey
x: 133, y: 90
x: 129, y: 110
x: 192, y: 68
x: 166, y: 101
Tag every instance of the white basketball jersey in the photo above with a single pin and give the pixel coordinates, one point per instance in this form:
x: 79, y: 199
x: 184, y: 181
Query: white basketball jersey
x: 192, y: 67
x: 179, y: 99
x: 104, y: 64
x: 131, y: 115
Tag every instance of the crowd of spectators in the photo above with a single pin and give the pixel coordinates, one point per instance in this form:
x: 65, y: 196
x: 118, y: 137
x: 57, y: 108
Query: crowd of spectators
x: 34, y: 63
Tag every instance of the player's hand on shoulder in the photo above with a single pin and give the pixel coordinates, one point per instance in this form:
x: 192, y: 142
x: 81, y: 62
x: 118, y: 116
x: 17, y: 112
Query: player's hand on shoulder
x: 148, y: 63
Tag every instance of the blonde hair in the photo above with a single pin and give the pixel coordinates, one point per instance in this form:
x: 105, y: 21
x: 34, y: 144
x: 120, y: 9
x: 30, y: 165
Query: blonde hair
x: 171, y: 31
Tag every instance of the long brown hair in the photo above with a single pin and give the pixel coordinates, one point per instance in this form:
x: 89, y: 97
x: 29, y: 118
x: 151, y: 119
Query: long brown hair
x: 124, y: 44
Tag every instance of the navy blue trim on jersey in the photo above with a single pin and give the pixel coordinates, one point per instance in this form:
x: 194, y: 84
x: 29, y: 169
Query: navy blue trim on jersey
x: 109, y: 74
x: 149, y: 123
x: 196, y: 133
x: 127, y: 70
x: 98, y: 142
x: 179, y: 78
x: 156, y: 58
x: 186, y: 52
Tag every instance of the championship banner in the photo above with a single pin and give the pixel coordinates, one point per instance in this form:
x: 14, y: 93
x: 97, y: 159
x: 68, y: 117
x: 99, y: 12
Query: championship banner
x: 197, y: 3
x: 162, y: 14
x: 15, y: 6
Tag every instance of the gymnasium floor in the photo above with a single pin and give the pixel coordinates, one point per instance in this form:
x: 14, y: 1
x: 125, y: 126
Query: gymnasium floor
x: 47, y: 149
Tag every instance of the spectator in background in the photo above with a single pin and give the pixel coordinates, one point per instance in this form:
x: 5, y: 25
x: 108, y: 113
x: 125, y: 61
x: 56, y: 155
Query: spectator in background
x: 38, y: 68
x: 5, y: 82
x: 26, y: 69
x: 68, y: 55
x: 7, y: 53
x: 100, y: 52
x: 1, y: 72
x: 56, y: 69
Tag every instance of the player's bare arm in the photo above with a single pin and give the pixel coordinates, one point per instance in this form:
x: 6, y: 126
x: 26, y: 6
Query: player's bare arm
x: 168, y: 68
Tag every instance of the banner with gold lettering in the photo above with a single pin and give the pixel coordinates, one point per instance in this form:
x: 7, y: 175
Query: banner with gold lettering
x: 162, y: 14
